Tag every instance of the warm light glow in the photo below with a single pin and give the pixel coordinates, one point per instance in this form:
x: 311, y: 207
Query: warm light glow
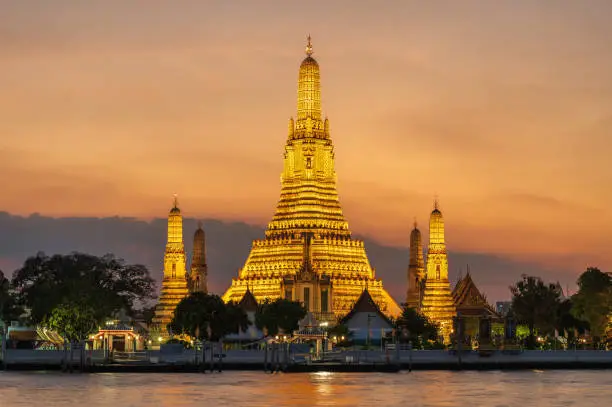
x: 309, y: 204
x: 174, y: 284
x: 437, y: 303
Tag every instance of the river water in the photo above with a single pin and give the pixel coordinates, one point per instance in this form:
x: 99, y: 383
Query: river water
x: 582, y: 388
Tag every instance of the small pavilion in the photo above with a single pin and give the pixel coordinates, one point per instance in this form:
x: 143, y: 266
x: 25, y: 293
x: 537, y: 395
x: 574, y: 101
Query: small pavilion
x: 311, y: 331
x: 473, y: 307
x: 118, y: 336
x: 366, y: 322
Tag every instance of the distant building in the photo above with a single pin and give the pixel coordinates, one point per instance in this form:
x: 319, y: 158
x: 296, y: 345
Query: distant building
x: 416, y: 270
x: 199, y: 268
x: 503, y: 307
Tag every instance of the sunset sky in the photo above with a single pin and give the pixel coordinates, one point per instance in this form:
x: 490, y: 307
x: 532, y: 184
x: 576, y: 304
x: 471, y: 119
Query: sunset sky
x: 501, y: 108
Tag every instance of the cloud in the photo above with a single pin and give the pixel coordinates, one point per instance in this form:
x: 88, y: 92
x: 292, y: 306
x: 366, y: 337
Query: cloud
x: 228, y: 245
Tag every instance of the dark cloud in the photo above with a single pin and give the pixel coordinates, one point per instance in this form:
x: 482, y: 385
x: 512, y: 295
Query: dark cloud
x: 228, y: 245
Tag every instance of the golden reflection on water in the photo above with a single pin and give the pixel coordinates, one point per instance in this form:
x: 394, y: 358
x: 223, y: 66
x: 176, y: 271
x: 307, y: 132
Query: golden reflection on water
x: 251, y: 389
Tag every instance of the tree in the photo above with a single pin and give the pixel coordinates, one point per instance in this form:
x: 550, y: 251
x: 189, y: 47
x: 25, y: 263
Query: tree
x: 535, y: 304
x: 566, y: 320
x: 416, y: 326
x: 198, y: 312
x: 106, y: 285
x: 72, y: 321
x: 9, y: 310
x: 236, y: 320
x: 593, y: 301
x: 281, y: 314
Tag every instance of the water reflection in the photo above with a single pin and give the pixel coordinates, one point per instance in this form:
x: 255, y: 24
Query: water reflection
x: 433, y: 389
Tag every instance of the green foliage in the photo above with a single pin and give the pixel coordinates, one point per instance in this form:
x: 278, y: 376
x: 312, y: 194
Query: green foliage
x: 72, y: 321
x: 105, y: 284
x: 198, y: 312
x: 522, y: 332
x: 416, y: 327
x: 9, y: 310
x: 567, y: 321
x: 534, y: 304
x: 281, y: 314
x: 593, y: 301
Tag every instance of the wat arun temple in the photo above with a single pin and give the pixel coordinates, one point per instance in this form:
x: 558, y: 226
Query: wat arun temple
x: 308, y: 253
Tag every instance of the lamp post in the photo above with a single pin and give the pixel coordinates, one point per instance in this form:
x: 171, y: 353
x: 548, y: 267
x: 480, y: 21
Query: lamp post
x: 370, y: 316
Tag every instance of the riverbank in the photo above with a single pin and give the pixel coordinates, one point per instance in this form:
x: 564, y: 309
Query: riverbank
x: 346, y: 361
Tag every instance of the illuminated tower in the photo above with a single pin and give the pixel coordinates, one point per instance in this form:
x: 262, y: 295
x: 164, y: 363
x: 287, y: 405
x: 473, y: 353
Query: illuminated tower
x: 437, y: 301
x: 199, y: 269
x: 174, y: 284
x: 416, y: 269
x: 308, y: 253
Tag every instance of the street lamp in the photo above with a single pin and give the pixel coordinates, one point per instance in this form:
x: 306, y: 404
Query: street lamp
x: 370, y: 316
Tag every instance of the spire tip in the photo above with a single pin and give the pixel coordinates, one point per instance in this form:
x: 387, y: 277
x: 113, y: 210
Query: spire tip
x: 309, y: 46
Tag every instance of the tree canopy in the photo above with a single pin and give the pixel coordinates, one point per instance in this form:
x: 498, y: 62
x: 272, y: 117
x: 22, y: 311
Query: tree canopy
x: 593, y: 301
x: 205, y: 316
x: 535, y: 304
x: 73, y: 321
x: 104, y: 285
x: 281, y: 314
x: 413, y: 325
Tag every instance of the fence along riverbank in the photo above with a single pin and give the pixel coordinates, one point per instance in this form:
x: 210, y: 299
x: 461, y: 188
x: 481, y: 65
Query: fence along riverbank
x: 284, y: 358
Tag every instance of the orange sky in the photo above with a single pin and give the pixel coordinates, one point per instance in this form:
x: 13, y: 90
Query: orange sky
x: 503, y: 109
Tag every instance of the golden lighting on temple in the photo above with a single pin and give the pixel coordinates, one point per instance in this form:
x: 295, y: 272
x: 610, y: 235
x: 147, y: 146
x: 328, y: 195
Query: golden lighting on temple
x: 308, y: 253
x: 174, y: 284
x: 416, y: 269
x: 437, y: 301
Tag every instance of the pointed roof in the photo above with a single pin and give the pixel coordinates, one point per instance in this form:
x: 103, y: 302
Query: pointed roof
x: 365, y: 303
x: 248, y: 301
x: 468, y: 298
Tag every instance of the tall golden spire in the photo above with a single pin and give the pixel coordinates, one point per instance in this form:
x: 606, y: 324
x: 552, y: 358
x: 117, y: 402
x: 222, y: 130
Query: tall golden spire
x: 309, y: 92
x: 309, y: 224
x: 436, y: 228
x: 437, y: 302
x: 174, y: 283
x: 309, y: 199
x: 175, y: 226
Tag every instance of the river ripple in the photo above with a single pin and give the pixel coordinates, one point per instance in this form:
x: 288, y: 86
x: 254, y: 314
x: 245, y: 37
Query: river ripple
x: 582, y: 388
